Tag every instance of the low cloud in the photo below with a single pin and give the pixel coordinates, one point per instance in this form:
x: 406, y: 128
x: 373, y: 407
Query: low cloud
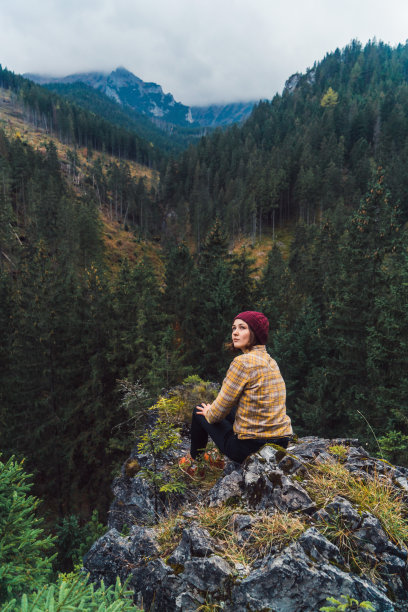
x: 201, y: 51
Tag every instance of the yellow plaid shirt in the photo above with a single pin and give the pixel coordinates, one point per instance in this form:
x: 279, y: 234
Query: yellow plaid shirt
x: 254, y: 384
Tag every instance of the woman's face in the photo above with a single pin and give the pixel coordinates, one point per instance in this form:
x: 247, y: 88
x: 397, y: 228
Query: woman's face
x: 241, y: 334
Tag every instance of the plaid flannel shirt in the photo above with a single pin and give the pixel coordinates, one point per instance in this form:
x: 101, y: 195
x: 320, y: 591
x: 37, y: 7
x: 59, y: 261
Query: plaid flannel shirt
x: 254, y: 384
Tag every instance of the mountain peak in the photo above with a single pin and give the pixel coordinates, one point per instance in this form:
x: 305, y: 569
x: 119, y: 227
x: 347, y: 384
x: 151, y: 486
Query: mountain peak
x: 148, y: 98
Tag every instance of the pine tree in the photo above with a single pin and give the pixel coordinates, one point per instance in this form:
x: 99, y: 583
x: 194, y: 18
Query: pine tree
x: 6, y: 310
x: 25, y: 560
x: 43, y: 370
x: 138, y: 320
x: 214, y: 306
x: 387, y: 343
x: 343, y: 389
x: 299, y: 346
x: 275, y: 291
x: 243, y: 281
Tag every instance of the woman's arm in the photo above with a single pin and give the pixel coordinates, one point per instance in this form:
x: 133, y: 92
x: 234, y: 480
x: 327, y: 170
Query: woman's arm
x: 232, y: 387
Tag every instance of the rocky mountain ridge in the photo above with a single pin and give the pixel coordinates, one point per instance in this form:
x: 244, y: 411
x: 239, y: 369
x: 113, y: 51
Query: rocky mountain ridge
x: 271, y: 534
x: 148, y: 99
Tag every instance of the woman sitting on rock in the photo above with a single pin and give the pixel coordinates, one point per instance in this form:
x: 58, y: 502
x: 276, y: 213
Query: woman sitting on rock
x: 250, y: 409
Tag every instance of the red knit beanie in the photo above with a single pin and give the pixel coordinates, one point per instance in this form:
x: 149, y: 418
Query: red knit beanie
x: 257, y: 322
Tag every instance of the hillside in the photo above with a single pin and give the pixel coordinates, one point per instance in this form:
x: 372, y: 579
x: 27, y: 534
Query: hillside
x: 14, y: 120
x: 119, y: 243
x: 170, y: 139
x: 310, y: 150
x: 75, y: 125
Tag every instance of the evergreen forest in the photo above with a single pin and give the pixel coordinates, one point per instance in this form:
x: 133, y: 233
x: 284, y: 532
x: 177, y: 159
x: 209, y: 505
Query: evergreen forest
x: 325, y: 161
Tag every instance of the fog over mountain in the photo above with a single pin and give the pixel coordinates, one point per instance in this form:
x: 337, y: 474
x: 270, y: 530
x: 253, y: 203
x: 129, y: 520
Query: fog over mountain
x: 149, y: 99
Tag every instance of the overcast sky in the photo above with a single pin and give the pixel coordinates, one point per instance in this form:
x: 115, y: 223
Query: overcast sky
x: 201, y: 51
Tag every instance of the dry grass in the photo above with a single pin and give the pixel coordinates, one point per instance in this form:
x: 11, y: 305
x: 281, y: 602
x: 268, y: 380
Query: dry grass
x: 374, y: 494
x: 260, y: 248
x: 268, y: 531
x: 169, y: 531
x: 276, y: 530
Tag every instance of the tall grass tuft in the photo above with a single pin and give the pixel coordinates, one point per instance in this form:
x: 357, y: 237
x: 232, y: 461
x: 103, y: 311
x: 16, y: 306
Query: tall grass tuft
x: 372, y: 494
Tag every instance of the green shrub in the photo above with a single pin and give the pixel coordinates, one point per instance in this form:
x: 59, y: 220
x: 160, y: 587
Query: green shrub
x: 339, y: 451
x: 193, y: 379
x: 178, y: 406
x: 172, y: 409
x: 73, y: 592
x: 25, y: 563
x: 394, y: 447
x: 74, y: 540
x: 156, y: 441
x: 349, y: 603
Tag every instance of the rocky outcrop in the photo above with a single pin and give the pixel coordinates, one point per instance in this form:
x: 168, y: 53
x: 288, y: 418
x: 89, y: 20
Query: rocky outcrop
x: 200, y: 565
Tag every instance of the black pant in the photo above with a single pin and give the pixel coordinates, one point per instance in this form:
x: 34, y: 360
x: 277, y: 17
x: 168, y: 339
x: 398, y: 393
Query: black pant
x: 225, y: 439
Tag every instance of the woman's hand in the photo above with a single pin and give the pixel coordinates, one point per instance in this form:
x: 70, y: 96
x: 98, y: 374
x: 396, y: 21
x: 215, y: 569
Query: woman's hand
x: 203, y: 409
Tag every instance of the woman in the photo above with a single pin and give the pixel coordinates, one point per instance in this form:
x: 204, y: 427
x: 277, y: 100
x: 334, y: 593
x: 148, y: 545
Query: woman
x: 250, y: 409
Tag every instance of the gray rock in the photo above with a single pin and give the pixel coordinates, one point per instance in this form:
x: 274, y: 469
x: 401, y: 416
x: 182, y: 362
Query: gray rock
x: 270, y: 454
x: 195, y: 542
x: 320, y: 548
x: 241, y: 524
x: 180, y: 555
x: 297, y: 579
x: 229, y: 487
x: 367, y: 466
x: 342, y: 508
x: 133, y: 503
x: 373, y: 539
x: 201, y: 543
x: 324, y: 457
x: 109, y: 557
x: 402, y: 482
x: 231, y: 466
x: 266, y: 487
x: 143, y: 544
x: 401, y: 471
x: 155, y: 583
x: 309, y: 447
x: 290, y: 582
x: 394, y: 564
x: 209, y: 574
x: 321, y: 516
x: 187, y: 602
x: 357, y: 451
x: 349, y: 442
x: 190, y: 514
x: 292, y: 465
